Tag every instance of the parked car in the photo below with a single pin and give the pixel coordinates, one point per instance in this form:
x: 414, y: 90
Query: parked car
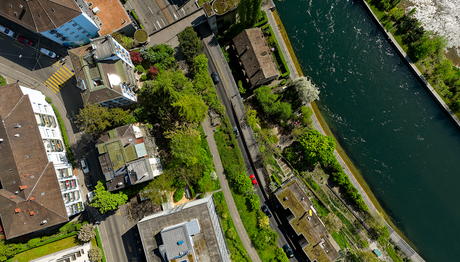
x: 266, y: 211
x: 6, y: 31
x: 288, y: 251
x: 215, y: 78
x: 235, y: 130
x: 48, y: 52
x: 25, y: 40
x: 254, y: 180
x: 90, y: 196
x: 84, y: 165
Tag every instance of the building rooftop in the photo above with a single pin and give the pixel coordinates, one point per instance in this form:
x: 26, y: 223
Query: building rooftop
x: 39, y: 15
x: 111, y: 14
x: 161, y: 232
x: 255, y: 55
x: 309, y: 229
x: 28, y: 181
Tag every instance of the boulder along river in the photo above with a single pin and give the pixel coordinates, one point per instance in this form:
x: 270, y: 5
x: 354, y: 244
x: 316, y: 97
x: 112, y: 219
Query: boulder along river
x: 404, y: 145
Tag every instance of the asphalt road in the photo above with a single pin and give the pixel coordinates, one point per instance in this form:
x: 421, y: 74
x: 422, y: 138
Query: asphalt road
x: 229, y: 94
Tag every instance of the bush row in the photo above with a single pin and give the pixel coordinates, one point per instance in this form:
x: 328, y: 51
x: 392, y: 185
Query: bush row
x: 263, y: 21
x: 137, y: 19
x: 99, y: 244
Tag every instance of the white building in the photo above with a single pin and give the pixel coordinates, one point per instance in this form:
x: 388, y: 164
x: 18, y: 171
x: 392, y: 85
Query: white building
x: 55, y: 149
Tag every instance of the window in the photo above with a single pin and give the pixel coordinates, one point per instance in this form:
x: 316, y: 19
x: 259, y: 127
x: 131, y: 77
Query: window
x: 54, y: 132
x: 72, y: 33
x: 67, y: 29
x: 88, y: 35
x: 81, y: 39
x: 74, y: 24
x: 79, y: 28
x: 77, y: 36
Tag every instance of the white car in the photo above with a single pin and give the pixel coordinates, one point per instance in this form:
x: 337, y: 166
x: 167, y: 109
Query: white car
x: 48, y: 52
x: 6, y: 31
x: 84, y: 165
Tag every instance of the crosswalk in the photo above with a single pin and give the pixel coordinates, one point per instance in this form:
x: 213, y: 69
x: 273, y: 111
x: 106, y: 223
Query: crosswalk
x: 58, y: 79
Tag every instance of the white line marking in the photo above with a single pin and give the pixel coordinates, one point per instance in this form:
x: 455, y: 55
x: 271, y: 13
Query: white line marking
x: 150, y: 10
x: 159, y: 24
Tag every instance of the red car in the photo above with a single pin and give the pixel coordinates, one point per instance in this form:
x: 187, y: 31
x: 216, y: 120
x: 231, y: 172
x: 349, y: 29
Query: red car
x: 253, y: 179
x: 25, y: 41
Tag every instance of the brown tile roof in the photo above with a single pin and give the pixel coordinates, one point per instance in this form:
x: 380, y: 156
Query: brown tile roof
x: 40, y: 15
x: 111, y: 15
x: 34, y: 175
x: 255, y: 55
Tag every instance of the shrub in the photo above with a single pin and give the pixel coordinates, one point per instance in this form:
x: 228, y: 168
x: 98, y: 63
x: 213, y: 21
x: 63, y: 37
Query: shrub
x: 95, y: 254
x: 86, y: 233
x: 153, y: 72
x: 178, y: 195
x: 139, y: 69
x: 33, y: 242
x: 136, y: 57
x: 144, y: 77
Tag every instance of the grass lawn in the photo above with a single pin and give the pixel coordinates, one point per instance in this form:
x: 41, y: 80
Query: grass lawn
x: 47, y: 249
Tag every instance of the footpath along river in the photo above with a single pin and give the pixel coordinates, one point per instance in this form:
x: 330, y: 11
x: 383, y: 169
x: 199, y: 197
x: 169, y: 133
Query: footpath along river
x: 404, y: 145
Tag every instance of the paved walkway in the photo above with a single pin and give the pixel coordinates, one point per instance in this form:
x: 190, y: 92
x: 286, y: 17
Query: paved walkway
x: 279, y: 37
x: 209, y: 131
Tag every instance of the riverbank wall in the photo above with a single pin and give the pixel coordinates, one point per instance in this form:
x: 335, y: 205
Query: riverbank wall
x: 346, y: 163
x: 413, y: 67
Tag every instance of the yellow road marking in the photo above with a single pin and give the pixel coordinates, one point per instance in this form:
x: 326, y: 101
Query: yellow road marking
x: 50, y: 87
x: 54, y: 82
x: 17, y: 46
x: 65, y: 73
x: 57, y: 80
x: 54, y: 63
x: 61, y: 74
x: 59, y: 77
x: 1, y: 37
x: 70, y: 72
x: 223, y: 76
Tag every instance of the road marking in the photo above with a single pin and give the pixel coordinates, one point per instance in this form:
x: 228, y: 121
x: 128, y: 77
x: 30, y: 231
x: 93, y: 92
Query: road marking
x: 54, y: 83
x: 159, y: 24
x: 50, y: 86
x: 70, y: 72
x: 175, y: 16
x: 163, y: 21
x: 59, y: 77
x: 223, y: 76
x: 17, y: 46
x: 65, y: 73
x: 57, y: 80
x: 151, y: 10
x: 1, y: 37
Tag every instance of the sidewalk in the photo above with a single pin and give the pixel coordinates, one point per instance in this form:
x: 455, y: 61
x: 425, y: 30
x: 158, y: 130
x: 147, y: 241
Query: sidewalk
x: 209, y: 131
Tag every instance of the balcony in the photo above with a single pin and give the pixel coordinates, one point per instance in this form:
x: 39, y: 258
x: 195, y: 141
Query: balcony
x: 64, y: 173
x: 68, y: 185
x: 53, y: 145
x: 74, y: 208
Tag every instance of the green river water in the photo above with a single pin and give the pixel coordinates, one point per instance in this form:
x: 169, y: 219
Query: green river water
x: 404, y: 145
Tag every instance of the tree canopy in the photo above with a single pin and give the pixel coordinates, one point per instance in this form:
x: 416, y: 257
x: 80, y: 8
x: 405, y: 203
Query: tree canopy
x: 190, y: 44
x: 106, y: 201
x: 317, y: 147
x: 308, y: 92
x: 95, y: 119
x: 270, y: 104
x: 249, y: 12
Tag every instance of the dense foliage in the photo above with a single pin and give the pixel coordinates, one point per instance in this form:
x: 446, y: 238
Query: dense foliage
x: 190, y: 44
x: 270, y: 104
x: 307, y: 91
x: 106, y: 201
x: 95, y: 119
x: 86, y: 233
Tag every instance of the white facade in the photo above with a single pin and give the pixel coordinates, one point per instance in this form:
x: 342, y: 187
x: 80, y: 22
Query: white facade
x: 55, y: 149
x: 77, y: 31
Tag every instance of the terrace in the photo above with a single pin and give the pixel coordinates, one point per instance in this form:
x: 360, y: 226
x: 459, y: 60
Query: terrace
x: 74, y: 208
x: 68, y: 184
x: 53, y: 145
x: 64, y: 173
x: 306, y: 223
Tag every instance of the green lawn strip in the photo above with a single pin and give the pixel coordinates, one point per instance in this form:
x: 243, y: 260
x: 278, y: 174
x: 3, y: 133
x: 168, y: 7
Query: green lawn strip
x: 137, y: 19
x: 392, y: 253
x: 263, y: 21
x: 279, y: 52
x: 44, y: 250
x: 2, y: 81
x: 64, y: 136
x: 99, y: 244
x: 236, y: 247
x: 337, y: 236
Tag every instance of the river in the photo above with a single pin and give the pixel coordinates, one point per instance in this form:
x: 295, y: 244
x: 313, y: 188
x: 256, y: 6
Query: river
x: 405, y: 146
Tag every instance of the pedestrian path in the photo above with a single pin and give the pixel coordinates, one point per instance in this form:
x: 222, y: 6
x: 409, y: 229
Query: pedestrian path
x: 58, y: 79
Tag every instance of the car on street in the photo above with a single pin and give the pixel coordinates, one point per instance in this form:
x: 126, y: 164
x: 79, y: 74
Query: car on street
x: 254, y: 180
x: 215, y: 78
x: 6, y: 31
x: 48, y: 52
x: 266, y: 211
x: 90, y: 196
x: 288, y: 251
x: 84, y: 165
x: 25, y: 40
x: 235, y: 130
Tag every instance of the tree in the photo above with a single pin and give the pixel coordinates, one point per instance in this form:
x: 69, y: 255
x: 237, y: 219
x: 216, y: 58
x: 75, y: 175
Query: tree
x: 136, y: 57
x: 95, y: 119
x: 86, y: 233
x: 191, y: 107
x: 190, y: 44
x: 241, y: 88
x: 106, y: 201
x: 266, y: 99
x: 178, y: 195
x: 95, y: 254
x: 159, y: 188
x: 185, y: 148
x: 153, y: 72
x: 284, y: 111
x: 332, y: 222
x: 366, y: 255
x: 317, y: 148
x: 252, y: 118
x: 263, y: 221
x: 249, y: 12
x: 308, y: 92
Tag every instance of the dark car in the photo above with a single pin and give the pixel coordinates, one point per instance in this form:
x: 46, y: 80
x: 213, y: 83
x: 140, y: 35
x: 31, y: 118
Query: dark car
x: 25, y: 40
x: 266, y: 211
x: 235, y: 130
x: 253, y: 179
x: 215, y: 78
x: 288, y: 251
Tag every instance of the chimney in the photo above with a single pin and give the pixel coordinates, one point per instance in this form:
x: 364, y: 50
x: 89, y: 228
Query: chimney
x: 32, y: 198
x: 17, y: 210
x: 22, y: 187
x: 17, y: 135
x: 32, y: 213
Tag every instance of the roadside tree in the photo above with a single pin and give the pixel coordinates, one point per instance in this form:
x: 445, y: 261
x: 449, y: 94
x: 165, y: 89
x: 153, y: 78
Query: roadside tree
x: 308, y: 92
x: 106, y: 201
x: 317, y: 147
x: 95, y: 254
x: 160, y: 188
x: 86, y: 233
x: 190, y: 44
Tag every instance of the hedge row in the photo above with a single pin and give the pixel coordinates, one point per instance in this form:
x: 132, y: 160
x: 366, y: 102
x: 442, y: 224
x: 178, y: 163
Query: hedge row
x: 64, y: 136
x: 51, y: 240
x: 137, y: 19
x: 99, y: 244
x: 264, y: 21
x: 279, y: 51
